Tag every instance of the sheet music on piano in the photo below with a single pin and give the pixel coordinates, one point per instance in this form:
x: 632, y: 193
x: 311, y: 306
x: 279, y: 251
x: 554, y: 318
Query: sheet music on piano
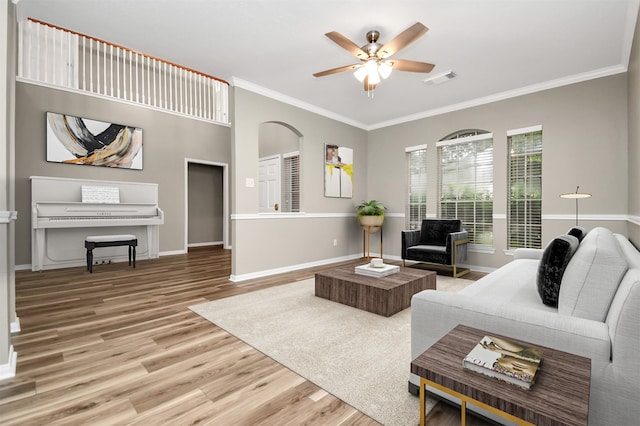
x: 100, y: 194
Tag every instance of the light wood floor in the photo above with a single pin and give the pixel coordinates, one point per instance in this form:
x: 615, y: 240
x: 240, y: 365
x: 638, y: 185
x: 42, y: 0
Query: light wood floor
x: 119, y: 346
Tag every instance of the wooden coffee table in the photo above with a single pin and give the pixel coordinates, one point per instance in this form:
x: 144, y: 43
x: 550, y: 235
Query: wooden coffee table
x: 383, y: 296
x: 560, y: 395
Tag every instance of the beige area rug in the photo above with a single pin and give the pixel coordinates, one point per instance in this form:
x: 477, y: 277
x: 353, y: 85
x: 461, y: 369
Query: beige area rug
x: 360, y: 357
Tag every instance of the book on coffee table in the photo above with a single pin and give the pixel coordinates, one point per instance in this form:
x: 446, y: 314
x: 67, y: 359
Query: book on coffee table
x: 375, y: 271
x: 505, y: 360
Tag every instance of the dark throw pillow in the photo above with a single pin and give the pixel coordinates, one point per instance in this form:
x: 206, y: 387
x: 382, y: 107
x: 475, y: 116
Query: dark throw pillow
x: 555, y: 258
x: 577, y: 231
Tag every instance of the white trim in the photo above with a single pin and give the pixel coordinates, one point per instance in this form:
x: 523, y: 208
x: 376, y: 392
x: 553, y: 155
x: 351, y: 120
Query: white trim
x: 269, y: 157
x: 172, y: 252
x: 629, y: 30
x: 500, y: 216
x: 582, y: 217
x: 466, y: 139
x: 481, y: 248
x: 15, y: 325
x: 415, y: 148
x: 291, y: 154
x: 524, y: 130
x: 8, y: 370
x: 225, y: 199
x: 634, y: 219
x: 268, y: 272
x: 207, y: 244
x: 114, y: 99
x: 292, y: 215
x: 565, y: 81
x: 8, y: 216
x: 243, y: 84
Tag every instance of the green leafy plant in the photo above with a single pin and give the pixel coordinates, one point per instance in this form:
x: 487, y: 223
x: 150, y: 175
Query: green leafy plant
x: 370, y: 208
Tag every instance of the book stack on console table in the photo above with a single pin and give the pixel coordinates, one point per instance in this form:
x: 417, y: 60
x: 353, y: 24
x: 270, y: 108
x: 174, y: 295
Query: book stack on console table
x: 377, y: 271
x: 505, y: 360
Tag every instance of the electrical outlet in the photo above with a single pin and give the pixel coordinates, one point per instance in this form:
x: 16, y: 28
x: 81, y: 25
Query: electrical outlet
x: 335, y: 243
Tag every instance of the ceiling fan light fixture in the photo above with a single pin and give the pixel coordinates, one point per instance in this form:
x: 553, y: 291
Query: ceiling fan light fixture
x: 360, y: 73
x: 371, y: 66
x: 375, y: 63
x: 384, y: 69
x: 374, y: 77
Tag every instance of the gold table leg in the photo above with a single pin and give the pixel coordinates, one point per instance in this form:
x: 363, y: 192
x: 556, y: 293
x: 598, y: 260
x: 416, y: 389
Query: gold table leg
x: 463, y: 405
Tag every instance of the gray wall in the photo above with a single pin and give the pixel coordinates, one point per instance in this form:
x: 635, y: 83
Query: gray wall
x: 205, y: 204
x: 588, y: 137
x: 271, y: 242
x: 584, y: 143
x: 634, y: 138
x: 275, y: 138
x: 167, y: 140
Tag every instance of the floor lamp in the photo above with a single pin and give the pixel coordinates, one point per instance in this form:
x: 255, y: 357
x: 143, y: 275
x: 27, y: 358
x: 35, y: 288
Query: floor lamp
x: 576, y: 196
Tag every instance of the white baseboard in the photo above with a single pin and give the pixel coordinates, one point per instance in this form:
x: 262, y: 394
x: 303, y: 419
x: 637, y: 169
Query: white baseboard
x: 8, y: 370
x: 268, y: 272
x: 15, y: 325
x: 211, y: 243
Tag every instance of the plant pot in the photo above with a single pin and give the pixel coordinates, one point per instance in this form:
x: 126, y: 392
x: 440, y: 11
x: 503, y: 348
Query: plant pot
x: 371, y: 223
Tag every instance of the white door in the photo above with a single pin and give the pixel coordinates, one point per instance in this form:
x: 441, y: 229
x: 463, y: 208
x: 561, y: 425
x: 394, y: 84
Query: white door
x: 269, y: 184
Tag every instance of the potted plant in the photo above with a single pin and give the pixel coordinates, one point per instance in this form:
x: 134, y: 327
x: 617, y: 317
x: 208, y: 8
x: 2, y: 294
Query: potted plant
x: 371, y: 213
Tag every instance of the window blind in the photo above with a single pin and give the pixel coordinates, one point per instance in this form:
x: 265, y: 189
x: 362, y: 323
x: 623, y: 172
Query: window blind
x: 524, y: 215
x: 466, y: 184
x: 416, y: 208
x: 291, y: 183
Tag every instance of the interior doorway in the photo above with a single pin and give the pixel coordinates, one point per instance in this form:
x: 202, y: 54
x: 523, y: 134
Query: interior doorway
x: 206, y: 204
x: 269, y: 184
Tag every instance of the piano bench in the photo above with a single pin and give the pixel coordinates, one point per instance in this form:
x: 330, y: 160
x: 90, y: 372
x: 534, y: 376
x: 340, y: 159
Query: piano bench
x: 110, y: 241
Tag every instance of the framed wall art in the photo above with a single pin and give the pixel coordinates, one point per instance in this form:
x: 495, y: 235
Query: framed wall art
x: 338, y: 171
x: 76, y: 140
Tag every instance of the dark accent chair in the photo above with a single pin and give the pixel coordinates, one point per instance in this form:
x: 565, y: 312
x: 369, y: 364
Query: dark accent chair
x: 439, y: 241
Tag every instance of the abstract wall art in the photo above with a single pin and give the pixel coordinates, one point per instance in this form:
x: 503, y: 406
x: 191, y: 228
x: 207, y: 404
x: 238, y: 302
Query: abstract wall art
x: 76, y: 140
x: 338, y: 171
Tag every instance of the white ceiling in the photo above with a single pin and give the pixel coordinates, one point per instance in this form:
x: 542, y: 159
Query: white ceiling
x: 498, y: 48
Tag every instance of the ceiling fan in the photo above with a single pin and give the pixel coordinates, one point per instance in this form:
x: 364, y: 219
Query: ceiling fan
x: 375, y: 63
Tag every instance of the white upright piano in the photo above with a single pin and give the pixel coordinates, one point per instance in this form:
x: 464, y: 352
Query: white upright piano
x: 65, y: 211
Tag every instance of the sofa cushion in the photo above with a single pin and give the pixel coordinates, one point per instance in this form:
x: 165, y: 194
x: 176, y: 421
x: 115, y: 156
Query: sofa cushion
x: 555, y: 258
x: 434, y: 231
x: 425, y: 253
x: 577, y: 231
x: 592, y: 277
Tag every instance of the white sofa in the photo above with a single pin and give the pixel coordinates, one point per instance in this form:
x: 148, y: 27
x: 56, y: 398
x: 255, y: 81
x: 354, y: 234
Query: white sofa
x: 598, y: 316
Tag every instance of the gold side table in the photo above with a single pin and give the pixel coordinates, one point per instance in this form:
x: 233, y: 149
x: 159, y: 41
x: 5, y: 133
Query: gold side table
x: 366, y: 239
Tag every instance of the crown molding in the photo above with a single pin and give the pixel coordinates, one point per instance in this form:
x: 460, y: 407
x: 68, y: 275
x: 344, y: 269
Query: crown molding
x: 246, y: 85
x: 552, y: 84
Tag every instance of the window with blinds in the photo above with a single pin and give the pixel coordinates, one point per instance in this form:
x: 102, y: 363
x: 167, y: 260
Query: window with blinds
x: 291, y: 183
x: 416, y: 209
x: 466, y: 183
x: 524, y: 215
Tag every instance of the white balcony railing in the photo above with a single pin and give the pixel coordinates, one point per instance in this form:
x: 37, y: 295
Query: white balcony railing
x: 64, y: 58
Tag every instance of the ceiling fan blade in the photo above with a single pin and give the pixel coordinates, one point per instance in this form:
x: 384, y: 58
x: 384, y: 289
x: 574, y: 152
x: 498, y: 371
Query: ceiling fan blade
x: 412, y: 66
x: 402, y: 40
x: 335, y: 70
x: 347, y: 44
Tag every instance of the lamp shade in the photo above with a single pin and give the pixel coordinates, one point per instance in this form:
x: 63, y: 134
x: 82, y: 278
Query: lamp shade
x: 360, y: 73
x: 374, y: 77
x: 576, y: 196
x: 384, y: 69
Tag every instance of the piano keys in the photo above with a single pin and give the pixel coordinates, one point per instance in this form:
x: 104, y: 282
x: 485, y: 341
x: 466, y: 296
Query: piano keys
x: 61, y: 221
